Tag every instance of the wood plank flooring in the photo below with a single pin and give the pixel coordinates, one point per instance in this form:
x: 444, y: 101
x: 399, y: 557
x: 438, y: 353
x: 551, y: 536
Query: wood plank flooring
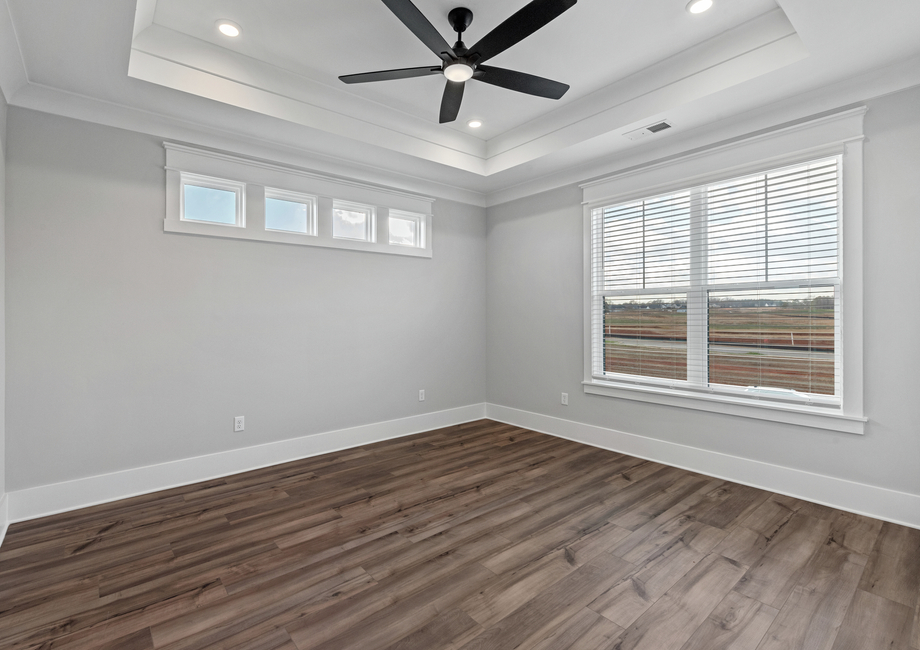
x: 482, y: 536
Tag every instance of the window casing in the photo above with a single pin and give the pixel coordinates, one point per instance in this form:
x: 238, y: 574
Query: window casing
x: 273, y: 202
x: 698, y: 287
x: 706, y: 288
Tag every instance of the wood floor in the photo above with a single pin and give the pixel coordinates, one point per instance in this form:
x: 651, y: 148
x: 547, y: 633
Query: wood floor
x: 482, y: 536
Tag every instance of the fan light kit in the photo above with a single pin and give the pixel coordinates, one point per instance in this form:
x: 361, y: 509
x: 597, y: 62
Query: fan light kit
x: 228, y: 28
x: 458, y: 72
x: 699, y: 6
x: 459, y: 64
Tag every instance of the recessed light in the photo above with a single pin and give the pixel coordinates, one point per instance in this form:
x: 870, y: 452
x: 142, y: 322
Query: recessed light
x: 228, y: 28
x: 699, y: 6
x: 474, y: 124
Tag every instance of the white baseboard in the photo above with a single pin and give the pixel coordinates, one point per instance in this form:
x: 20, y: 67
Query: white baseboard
x: 880, y: 503
x: 31, y: 503
x: 4, y: 516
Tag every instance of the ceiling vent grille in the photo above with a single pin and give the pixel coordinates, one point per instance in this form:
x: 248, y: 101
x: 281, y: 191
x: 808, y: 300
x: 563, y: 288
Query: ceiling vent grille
x: 647, y: 130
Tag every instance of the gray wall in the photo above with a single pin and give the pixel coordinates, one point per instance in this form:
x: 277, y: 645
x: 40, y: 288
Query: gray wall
x: 534, y: 344
x: 130, y: 347
x: 3, y: 114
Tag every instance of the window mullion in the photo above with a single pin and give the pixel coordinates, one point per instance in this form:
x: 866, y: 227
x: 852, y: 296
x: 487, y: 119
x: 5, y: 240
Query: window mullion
x: 697, y: 335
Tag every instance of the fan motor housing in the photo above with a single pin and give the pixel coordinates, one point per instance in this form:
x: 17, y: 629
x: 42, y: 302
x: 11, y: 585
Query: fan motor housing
x: 460, y: 18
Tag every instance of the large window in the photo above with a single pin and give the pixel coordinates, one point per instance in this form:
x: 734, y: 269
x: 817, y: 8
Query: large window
x: 730, y: 288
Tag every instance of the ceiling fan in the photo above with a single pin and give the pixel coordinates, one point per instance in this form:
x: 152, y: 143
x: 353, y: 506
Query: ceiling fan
x: 459, y: 63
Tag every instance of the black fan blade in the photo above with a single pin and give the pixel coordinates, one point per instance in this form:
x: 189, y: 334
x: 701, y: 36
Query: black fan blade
x: 450, y: 102
x: 520, y: 81
x: 415, y: 20
x: 387, y: 75
x: 518, y: 27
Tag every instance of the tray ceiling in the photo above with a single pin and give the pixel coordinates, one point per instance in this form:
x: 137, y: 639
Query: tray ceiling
x: 161, y: 67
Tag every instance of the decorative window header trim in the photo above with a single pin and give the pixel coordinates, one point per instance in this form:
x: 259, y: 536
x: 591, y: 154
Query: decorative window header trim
x: 285, y: 169
x: 815, y: 138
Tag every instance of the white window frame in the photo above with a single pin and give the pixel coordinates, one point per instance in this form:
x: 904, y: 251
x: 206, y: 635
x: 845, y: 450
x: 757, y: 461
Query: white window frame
x: 370, y: 228
x: 256, y: 179
x: 419, y: 220
x: 838, y: 134
x: 212, y: 183
x: 294, y: 197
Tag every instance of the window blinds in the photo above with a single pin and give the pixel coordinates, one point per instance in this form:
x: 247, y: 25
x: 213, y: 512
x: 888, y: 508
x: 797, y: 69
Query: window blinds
x: 761, y: 250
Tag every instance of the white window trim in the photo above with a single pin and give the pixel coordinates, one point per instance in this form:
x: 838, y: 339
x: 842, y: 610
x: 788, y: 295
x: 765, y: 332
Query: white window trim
x: 837, y: 134
x: 256, y: 176
x: 209, y: 182
x: 295, y: 197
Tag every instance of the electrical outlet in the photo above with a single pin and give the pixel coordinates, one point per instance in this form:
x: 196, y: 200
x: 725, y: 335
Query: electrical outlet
x: 565, y: 399
x: 238, y: 423
x: 421, y: 396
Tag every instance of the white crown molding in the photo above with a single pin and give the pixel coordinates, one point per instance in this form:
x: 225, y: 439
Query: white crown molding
x: 759, y: 149
x: 598, y: 157
x: 166, y: 57
x: 13, y: 75
x: 798, y: 108
x: 751, y: 50
x: 43, y: 500
x: 144, y: 15
x: 58, y: 102
x: 873, y: 501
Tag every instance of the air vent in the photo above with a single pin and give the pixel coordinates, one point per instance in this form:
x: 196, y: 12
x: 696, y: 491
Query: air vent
x: 647, y: 130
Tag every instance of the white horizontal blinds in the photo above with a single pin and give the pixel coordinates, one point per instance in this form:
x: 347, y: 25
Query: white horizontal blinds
x: 777, y: 234
x: 646, y: 244
x: 774, y: 227
x: 646, y: 335
x: 747, y: 267
x: 802, y: 218
x: 782, y: 339
x: 642, y: 246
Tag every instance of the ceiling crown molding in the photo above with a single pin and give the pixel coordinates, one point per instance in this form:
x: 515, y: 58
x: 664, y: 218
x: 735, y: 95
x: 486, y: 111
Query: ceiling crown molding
x: 176, y: 60
x: 13, y: 76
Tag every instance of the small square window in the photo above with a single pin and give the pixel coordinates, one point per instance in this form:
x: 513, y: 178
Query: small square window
x: 352, y: 221
x: 406, y: 229
x: 290, y: 212
x: 212, y: 200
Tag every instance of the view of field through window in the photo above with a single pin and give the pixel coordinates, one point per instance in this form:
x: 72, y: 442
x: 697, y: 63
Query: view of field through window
x: 772, y: 338
x: 780, y: 338
x: 646, y: 337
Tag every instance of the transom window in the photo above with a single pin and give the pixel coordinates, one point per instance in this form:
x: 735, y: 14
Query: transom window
x: 212, y: 200
x: 353, y: 221
x: 290, y: 212
x: 406, y: 229
x: 731, y: 287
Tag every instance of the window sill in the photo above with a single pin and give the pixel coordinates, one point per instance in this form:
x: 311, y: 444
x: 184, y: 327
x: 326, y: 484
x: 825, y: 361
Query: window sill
x: 814, y: 417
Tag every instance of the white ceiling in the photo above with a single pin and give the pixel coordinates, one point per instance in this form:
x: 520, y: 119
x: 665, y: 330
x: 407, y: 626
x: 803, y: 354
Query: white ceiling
x: 629, y: 64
